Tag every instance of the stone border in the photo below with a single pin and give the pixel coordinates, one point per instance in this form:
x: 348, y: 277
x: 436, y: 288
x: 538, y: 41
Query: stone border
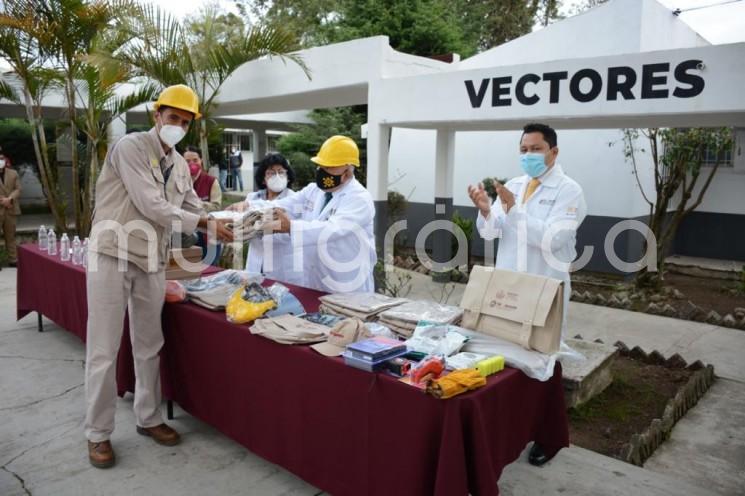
x: 642, y: 445
x: 658, y: 306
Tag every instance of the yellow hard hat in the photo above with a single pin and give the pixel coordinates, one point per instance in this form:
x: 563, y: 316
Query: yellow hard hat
x: 338, y: 151
x: 181, y: 97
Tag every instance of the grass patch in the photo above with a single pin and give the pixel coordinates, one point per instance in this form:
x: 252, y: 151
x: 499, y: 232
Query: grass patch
x: 638, y: 394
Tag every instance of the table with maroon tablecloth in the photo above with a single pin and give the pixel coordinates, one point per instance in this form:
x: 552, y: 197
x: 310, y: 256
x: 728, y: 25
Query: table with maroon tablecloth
x: 56, y: 289
x: 343, y: 430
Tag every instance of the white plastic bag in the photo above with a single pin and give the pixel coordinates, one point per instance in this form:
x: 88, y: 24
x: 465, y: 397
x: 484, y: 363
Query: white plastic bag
x: 436, y: 339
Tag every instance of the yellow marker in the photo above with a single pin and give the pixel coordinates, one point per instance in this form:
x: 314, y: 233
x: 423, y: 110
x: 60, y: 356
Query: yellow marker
x: 491, y: 365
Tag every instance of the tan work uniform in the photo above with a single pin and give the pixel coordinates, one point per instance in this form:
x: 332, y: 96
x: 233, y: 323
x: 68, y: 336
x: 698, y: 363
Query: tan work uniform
x: 142, y: 195
x: 10, y: 187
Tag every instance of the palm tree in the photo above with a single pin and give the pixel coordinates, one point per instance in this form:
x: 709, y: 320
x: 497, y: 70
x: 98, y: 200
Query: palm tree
x: 103, y: 105
x: 157, y: 46
x: 46, y: 42
x: 20, y: 47
x: 69, y: 29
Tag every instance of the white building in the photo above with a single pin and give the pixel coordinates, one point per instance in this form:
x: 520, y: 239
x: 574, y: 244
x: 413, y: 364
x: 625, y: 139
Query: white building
x: 428, y: 139
x: 627, y: 33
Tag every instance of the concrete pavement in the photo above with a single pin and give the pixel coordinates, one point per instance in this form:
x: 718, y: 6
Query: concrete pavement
x: 42, y: 449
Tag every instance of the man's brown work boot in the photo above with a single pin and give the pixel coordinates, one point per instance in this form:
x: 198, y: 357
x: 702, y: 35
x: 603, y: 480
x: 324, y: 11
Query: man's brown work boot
x: 161, y: 434
x: 101, y: 455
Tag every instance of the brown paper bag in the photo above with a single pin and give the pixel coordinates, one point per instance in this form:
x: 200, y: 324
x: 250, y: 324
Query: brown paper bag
x: 523, y: 308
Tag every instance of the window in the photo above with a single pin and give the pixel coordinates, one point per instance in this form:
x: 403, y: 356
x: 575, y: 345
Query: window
x: 724, y: 159
x: 738, y: 151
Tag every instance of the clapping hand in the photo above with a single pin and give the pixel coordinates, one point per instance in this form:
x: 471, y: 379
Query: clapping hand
x: 480, y: 199
x: 505, y: 196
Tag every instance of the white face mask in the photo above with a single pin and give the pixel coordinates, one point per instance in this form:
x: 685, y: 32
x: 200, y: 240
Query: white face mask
x: 2, y: 163
x: 171, y: 134
x: 277, y: 183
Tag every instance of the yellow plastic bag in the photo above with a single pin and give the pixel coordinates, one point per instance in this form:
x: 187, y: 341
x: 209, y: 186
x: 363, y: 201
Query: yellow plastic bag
x: 248, y: 303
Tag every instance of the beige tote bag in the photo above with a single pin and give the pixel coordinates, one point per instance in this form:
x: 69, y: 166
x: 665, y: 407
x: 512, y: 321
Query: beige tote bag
x: 523, y: 308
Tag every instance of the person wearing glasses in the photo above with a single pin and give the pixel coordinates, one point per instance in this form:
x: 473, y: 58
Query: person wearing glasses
x: 273, y: 178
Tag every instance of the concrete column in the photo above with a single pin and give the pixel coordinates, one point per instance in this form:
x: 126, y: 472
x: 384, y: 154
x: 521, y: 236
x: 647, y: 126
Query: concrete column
x: 378, y: 144
x: 116, y: 128
x: 259, y: 144
x: 444, y: 174
x: 258, y: 152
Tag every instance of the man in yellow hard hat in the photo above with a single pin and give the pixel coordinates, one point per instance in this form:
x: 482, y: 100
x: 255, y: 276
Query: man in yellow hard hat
x: 143, y: 194
x: 330, y: 223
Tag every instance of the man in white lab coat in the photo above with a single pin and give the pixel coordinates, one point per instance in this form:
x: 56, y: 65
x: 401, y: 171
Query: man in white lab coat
x: 330, y: 223
x: 536, y: 216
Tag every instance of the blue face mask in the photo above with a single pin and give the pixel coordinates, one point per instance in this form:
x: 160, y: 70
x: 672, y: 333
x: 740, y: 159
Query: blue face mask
x: 534, y: 164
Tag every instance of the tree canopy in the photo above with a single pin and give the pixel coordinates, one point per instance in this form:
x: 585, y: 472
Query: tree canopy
x: 418, y: 27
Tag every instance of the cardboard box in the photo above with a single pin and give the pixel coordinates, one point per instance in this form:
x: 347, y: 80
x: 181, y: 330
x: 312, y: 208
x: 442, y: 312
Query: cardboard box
x: 191, y: 263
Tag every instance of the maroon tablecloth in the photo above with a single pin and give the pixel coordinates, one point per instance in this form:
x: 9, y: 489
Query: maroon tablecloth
x: 56, y: 289
x: 343, y: 430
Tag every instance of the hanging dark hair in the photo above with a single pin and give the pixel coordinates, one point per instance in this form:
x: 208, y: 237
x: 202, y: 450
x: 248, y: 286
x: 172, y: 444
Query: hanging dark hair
x: 268, y: 161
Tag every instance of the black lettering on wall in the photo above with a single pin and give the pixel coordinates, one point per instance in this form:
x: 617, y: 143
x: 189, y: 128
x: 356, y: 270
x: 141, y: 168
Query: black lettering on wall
x: 477, y: 97
x: 650, y: 79
x: 499, y: 89
x: 554, y: 78
x: 520, y: 89
x: 596, y: 85
x: 616, y: 86
x: 695, y: 81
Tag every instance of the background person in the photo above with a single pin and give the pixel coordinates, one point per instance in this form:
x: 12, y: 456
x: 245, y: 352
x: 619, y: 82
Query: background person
x: 10, y: 192
x: 235, y: 161
x: 222, y: 174
x: 208, y: 190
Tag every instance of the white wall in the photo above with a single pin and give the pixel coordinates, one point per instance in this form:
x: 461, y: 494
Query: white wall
x: 411, y: 167
x: 602, y: 170
x: 726, y: 194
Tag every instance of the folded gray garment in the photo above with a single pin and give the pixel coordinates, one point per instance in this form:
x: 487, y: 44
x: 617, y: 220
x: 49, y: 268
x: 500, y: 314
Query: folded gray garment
x: 207, y: 305
x: 398, y: 323
x: 404, y: 329
x: 414, y: 311
x: 345, y: 312
x: 288, y: 329
x: 401, y: 331
x: 214, y: 298
x: 254, y: 223
x: 364, y: 303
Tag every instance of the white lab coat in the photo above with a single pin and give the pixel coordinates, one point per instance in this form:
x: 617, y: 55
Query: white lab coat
x: 558, y: 202
x: 281, y: 247
x: 334, y: 246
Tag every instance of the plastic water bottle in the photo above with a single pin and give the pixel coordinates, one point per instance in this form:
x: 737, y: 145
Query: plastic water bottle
x: 77, y: 254
x: 84, y: 253
x: 42, y: 237
x: 64, y: 248
x: 51, y: 242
